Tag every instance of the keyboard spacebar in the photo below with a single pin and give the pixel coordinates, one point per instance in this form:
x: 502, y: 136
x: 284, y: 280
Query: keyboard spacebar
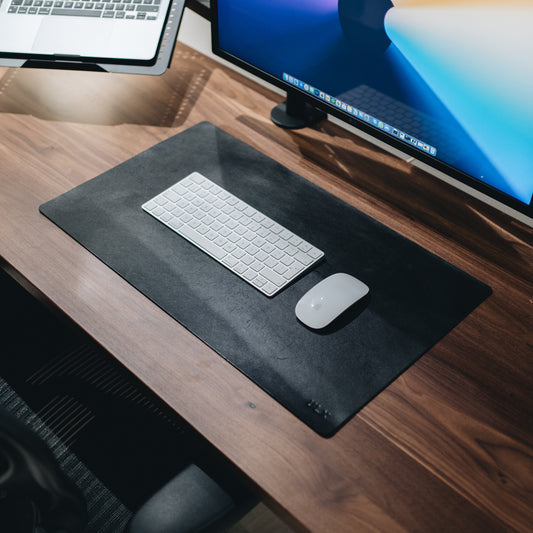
x: 77, y: 12
x: 202, y: 242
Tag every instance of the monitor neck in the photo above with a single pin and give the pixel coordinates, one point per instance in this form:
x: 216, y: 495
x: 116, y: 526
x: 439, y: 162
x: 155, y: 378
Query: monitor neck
x: 296, y: 112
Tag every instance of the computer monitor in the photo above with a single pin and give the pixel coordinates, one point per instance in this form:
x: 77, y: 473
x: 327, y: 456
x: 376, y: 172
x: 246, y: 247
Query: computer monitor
x: 449, y: 82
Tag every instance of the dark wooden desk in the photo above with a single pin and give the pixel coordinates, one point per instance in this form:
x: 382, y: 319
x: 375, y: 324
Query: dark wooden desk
x: 447, y: 447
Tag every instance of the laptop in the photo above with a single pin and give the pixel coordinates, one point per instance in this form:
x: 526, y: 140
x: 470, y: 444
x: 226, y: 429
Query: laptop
x: 111, y: 31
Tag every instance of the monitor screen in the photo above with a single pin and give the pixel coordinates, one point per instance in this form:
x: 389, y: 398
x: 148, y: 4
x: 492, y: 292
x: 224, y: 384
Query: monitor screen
x: 449, y: 82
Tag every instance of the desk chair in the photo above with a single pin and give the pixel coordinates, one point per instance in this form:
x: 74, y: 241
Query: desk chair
x: 36, y: 496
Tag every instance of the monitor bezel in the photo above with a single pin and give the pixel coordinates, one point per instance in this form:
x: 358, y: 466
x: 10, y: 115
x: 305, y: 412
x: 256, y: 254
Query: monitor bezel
x: 365, y: 127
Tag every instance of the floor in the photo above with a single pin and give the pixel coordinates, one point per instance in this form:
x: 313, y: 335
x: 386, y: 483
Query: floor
x: 261, y: 520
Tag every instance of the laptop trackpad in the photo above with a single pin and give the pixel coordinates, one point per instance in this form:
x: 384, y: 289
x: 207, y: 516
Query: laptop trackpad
x: 71, y: 36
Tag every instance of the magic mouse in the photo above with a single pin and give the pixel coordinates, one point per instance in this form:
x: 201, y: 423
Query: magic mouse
x: 328, y: 299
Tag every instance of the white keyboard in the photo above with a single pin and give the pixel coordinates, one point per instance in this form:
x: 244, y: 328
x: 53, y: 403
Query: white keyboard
x: 253, y: 246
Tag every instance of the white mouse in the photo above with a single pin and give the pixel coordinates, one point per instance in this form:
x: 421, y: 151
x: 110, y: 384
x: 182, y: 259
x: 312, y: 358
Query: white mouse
x: 329, y: 298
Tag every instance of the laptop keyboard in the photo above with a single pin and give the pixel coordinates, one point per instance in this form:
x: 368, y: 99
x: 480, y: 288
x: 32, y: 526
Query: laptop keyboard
x: 256, y: 248
x: 117, y: 9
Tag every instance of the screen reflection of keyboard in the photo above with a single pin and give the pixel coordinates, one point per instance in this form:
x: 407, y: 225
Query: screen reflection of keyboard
x: 116, y: 9
x: 254, y: 247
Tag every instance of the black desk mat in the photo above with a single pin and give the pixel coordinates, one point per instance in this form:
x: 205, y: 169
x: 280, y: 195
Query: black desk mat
x: 323, y: 377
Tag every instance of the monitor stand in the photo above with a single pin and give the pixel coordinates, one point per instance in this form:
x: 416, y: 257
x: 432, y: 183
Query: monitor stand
x: 296, y: 113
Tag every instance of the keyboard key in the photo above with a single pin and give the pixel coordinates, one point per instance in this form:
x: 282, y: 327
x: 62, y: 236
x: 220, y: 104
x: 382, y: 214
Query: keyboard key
x: 240, y: 268
x: 203, y: 243
x: 76, y: 12
x: 249, y: 274
x: 230, y: 261
x: 303, y: 258
x: 272, y: 276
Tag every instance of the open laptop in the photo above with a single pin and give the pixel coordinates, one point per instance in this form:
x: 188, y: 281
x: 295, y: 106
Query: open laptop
x: 111, y: 31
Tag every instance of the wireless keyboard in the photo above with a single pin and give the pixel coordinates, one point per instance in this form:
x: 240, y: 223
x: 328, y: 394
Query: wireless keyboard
x: 256, y: 248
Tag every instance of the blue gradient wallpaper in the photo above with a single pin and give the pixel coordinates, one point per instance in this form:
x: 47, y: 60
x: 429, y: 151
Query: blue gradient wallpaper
x: 457, y: 75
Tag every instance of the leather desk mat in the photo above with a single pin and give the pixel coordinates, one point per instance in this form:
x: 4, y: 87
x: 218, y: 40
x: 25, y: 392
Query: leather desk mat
x: 323, y: 377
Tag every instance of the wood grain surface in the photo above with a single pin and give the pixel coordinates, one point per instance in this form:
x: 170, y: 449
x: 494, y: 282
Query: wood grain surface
x: 447, y: 447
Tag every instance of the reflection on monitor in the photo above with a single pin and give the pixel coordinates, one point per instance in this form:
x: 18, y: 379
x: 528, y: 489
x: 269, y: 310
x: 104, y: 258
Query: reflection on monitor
x: 447, y: 81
